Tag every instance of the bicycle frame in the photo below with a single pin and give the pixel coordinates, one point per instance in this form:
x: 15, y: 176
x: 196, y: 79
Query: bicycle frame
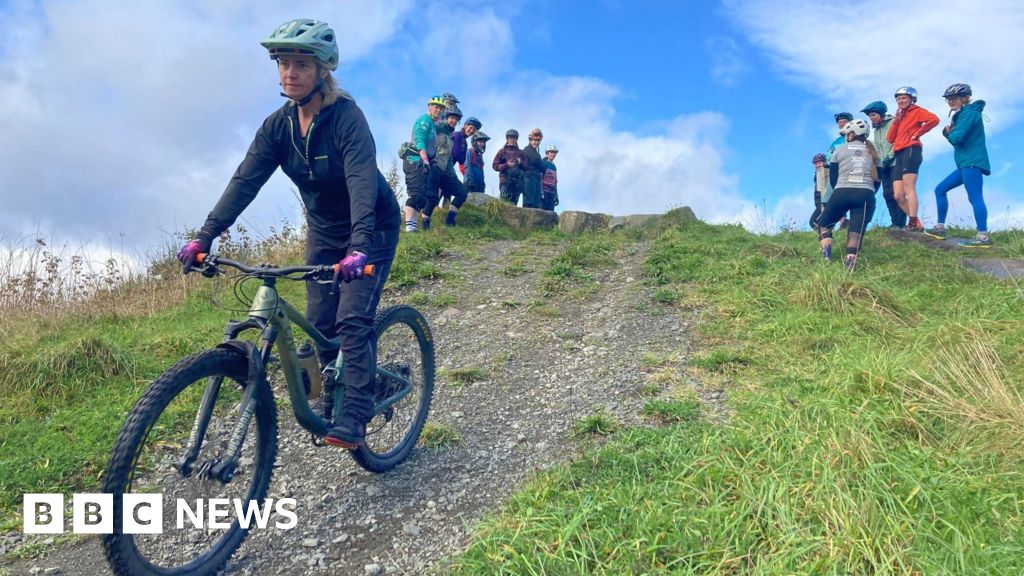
x: 274, y: 317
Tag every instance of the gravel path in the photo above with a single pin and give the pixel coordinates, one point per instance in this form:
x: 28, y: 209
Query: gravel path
x: 546, y: 368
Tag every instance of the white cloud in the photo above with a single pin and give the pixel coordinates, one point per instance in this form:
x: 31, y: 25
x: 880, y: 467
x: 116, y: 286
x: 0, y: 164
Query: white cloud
x: 125, y: 121
x: 852, y: 53
x: 602, y: 168
x: 122, y: 117
x: 727, y: 60
x: 461, y: 43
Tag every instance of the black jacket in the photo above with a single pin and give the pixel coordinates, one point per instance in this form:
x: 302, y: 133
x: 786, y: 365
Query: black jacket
x: 533, y: 162
x: 334, y: 168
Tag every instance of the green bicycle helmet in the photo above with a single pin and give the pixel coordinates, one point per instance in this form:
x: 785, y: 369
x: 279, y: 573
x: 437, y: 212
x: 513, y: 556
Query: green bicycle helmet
x: 304, y: 36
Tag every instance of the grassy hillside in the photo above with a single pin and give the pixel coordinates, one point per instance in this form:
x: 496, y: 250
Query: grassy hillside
x: 875, y: 421
x: 876, y: 426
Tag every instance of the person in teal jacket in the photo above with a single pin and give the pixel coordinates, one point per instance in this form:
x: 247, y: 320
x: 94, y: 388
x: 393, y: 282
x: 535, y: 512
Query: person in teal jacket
x: 966, y: 132
x: 417, y: 158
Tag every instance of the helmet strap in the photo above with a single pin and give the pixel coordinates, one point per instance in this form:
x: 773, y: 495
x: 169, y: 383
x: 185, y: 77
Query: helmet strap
x: 306, y: 100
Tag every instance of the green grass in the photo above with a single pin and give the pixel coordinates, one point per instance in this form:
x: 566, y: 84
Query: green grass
x: 444, y: 300
x: 876, y: 427
x: 516, y: 267
x: 418, y: 299
x: 572, y: 271
x: 596, y: 424
x: 437, y: 436
x: 672, y: 411
x: 68, y: 380
x: 460, y: 376
x: 720, y: 360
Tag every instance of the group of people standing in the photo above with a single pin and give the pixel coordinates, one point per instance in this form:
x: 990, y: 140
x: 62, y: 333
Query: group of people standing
x: 438, y: 145
x: 848, y: 176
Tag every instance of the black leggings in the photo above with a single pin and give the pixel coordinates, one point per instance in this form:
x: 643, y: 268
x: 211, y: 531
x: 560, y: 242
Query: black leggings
x: 860, y: 202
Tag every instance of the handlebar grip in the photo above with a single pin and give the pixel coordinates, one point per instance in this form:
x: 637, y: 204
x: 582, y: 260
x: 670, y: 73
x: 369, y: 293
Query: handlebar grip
x: 368, y: 270
x: 201, y: 257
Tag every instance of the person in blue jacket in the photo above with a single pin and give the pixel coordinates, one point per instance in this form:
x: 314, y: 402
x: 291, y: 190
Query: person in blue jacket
x: 966, y: 132
x: 475, y: 163
x: 417, y: 159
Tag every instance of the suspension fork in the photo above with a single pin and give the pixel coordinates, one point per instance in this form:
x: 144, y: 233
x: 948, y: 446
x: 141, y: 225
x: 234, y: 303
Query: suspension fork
x: 224, y: 468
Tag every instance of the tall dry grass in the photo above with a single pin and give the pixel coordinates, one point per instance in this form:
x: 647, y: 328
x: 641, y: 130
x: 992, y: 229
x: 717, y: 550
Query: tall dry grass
x: 41, y: 283
x: 969, y: 388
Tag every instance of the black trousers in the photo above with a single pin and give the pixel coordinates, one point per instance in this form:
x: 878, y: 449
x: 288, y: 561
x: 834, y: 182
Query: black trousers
x: 896, y: 215
x: 349, y: 314
x: 511, y: 189
x: 531, y: 191
x: 450, y: 187
x: 548, y: 201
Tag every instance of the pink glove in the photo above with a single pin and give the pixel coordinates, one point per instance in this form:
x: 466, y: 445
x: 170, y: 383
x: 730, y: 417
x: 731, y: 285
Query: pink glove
x: 187, y: 254
x: 351, y: 267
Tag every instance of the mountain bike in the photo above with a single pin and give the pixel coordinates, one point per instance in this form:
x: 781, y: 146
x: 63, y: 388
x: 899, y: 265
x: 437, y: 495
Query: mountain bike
x: 207, y: 427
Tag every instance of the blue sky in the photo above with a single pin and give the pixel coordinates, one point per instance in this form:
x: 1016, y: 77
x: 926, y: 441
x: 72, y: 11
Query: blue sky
x: 119, y: 134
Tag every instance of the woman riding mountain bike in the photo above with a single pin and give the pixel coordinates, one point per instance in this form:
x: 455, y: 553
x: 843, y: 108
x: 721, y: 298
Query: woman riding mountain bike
x: 321, y: 140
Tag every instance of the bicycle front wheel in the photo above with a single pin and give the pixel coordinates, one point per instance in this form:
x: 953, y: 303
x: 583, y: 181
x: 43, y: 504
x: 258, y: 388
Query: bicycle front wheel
x: 147, y: 459
x: 405, y: 371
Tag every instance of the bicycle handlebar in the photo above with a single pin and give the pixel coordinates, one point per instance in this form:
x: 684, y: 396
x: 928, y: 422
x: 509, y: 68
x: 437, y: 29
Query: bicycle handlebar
x: 268, y: 271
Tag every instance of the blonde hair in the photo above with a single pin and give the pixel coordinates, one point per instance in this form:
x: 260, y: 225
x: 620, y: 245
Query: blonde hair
x: 330, y: 89
x: 332, y: 92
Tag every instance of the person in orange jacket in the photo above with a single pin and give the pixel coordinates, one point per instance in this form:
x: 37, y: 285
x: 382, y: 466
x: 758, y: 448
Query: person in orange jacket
x: 910, y: 124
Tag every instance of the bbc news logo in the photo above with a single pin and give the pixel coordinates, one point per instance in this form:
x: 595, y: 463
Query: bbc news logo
x: 144, y: 513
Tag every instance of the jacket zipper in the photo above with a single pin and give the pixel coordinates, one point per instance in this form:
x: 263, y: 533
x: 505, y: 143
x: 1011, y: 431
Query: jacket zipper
x: 305, y: 157
x: 309, y: 136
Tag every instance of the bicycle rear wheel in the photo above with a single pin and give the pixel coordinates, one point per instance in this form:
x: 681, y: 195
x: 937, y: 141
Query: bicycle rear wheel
x: 405, y: 347
x: 146, y: 460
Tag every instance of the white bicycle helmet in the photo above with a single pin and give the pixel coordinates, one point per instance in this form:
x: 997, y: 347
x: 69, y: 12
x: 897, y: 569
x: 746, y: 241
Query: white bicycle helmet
x: 857, y: 127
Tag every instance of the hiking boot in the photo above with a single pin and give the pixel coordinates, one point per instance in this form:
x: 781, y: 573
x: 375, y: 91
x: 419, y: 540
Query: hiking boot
x: 426, y: 224
x: 826, y: 253
x: 914, y: 225
x: 936, y: 232
x: 449, y: 220
x: 976, y: 242
x: 851, y: 262
x: 347, y: 433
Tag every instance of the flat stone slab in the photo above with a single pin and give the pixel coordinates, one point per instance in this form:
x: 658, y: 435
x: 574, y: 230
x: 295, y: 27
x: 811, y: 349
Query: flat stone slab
x: 1002, y: 268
